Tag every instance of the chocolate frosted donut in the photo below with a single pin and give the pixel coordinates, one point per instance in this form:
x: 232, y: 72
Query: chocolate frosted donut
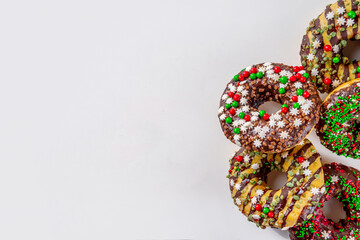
x: 339, y: 125
x: 324, y: 41
x: 343, y: 183
x: 287, y: 206
x: 252, y: 128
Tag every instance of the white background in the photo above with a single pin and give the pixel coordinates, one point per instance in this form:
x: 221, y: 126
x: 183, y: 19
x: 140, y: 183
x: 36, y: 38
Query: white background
x: 108, y: 126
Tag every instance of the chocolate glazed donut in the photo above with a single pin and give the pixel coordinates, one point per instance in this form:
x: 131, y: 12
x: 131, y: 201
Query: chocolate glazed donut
x: 288, y: 206
x: 343, y: 183
x: 322, y: 45
x: 339, y: 126
x: 252, y: 128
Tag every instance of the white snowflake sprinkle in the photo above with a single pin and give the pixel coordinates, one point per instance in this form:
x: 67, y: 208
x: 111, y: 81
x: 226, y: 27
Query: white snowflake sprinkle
x: 336, y: 48
x: 336, y: 83
x: 315, y: 190
x: 330, y: 15
x: 255, y: 217
x: 237, y: 186
x: 294, y: 111
x: 243, y: 101
x: 240, y: 88
x: 277, y: 116
x: 232, y: 182
x: 350, y: 22
x: 341, y: 10
x: 340, y: 21
x: 351, y: 238
x: 224, y: 97
x: 301, y: 143
x: 270, y: 71
x: 257, y: 129
x: 322, y: 190
x: 306, y: 111
x: 267, y: 64
x: 222, y: 117
x: 259, y: 192
x: 284, y: 154
x: 244, y: 93
x: 257, y: 143
x: 229, y: 100
x: 238, y: 201
x: 236, y: 137
x: 247, y: 158
x: 310, y: 57
x: 272, y: 123
x: 298, y: 85
x: 248, y: 68
x: 262, y: 135
x: 245, y: 108
x: 284, y: 134
x: 255, y: 166
x: 221, y: 109
x: 254, y: 118
x: 281, y: 124
x: 253, y: 200
x: 314, y: 72
x: 274, y: 77
x: 305, y: 164
x: 307, y: 172
x: 297, y: 122
x: 325, y: 235
x: 243, y: 128
x: 316, y: 43
x: 265, y: 129
x: 261, y: 69
x: 334, y: 179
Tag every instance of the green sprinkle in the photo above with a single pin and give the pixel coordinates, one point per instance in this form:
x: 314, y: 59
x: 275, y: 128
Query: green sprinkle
x: 236, y: 78
x: 227, y: 106
x: 282, y: 90
x: 296, y: 105
x: 241, y: 115
x: 235, y: 104
x: 259, y: 74
x: 237, y: 130
x: 228, y: 120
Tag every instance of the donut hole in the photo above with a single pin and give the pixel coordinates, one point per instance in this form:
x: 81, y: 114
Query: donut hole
x: 352, y: 50
x: 270, y: 107
x: 276, y: 179
x: 333, y: 209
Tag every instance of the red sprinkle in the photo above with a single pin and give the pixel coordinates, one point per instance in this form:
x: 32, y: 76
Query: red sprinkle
x: 284, y: 109
x: 301, y: 159
x: 232, y: 111
x: 266, y: 116
x: 258, y: 207
x: 327, y: 81
x: 246, y: 74
x: 296, y: 69
x: 253, y: 70
x: 236, y: 97
x: 239, y: 158
x: 247, y: 118
x: 277, y: 69
x: 327, y: 48
x: 293, y: 78
x: 303, y: 79
x: 294, y: 98
x: 231, y: 94
x: 306, y: 94
x: 270, y: 214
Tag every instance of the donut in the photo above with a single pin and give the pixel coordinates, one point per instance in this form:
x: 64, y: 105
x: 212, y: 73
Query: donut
x: 281, y: 208
x: 252, y: 128
x: 322, y: 45
x: 342, y: 183
x: 338, y: 127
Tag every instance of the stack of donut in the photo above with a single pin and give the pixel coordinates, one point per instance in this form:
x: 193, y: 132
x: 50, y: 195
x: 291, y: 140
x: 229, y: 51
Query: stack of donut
x: 278, y: 141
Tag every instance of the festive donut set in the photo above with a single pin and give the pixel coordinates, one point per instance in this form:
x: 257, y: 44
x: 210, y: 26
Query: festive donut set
x: 279, y: 141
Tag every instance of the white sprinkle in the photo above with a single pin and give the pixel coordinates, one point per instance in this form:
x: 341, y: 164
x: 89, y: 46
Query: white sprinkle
x: 237, y: 137
x: 284, y: 154
x: 222, y: 117
x: 350, y: 22
x: 255, y: 217
x: 229, y: 100
x: 254, y: 118
x: 237, y: 186
x: 325, y: 235
x: 307, y: 172
x: 305, y: 164
x: 316, y: 43
x: 257, y: 129
x: 247, y: 158
x: 314, y: 72
x: 294, y: 111
x: 284, y: 134
x: 262, y: 135
x: 244, y: 93
x: 248, y: 68
x: 238, y: 201
x: 281, y: 124
x: 254, y: 200
x: 257, y: 143
x: 245, y: 108
x: 310, y: 57
x: 265, y: 129
x: 240, y: 88
x: 330, y: 15
x: 314, y: 190
x: 255, y: 166
x: 340, y: 21
x: 221, y: 109
x: 341, y: 10
x: 298, y: 85
x: 334, y: 179
x: 224, y: 97
x: 259, y: 192
x: 336, y: 83
x: 232, y: 182
x: 272, y: 123
x: 297, y: 122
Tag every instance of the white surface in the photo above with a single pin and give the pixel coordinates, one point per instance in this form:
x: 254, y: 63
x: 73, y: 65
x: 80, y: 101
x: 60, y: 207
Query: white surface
x: 109, y: 124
